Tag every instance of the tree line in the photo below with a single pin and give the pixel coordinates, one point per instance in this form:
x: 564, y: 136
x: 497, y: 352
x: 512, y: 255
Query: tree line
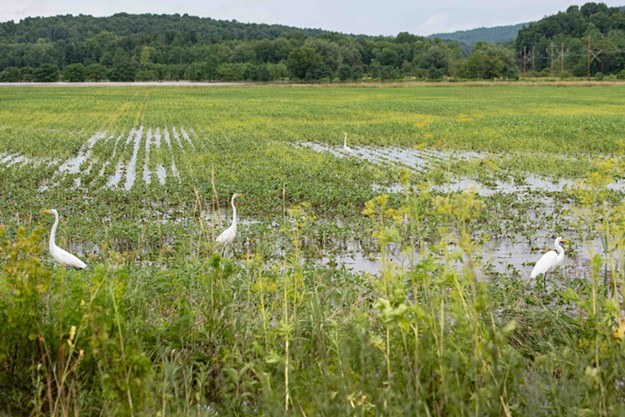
x: 579, y: 41
x: 150, y: 47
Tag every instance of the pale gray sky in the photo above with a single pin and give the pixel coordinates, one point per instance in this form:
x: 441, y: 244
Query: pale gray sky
x: 370, y: 17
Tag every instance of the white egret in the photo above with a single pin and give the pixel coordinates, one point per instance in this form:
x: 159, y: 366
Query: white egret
x: 549, y: 260
x: 61, y: 256
x: 346, y: 148
x: 228, y: 235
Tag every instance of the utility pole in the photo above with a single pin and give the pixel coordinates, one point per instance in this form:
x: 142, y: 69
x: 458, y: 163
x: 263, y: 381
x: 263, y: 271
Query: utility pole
x: 525, y: 59
x: 551, y: 57
x: 594, y: 56
x: 589, y: 57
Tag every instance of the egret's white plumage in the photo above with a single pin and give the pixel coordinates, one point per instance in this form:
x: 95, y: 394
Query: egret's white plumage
x: 346, y: 148
x: 61, y: 256
x: 549, y: 260
x: 228, y: 235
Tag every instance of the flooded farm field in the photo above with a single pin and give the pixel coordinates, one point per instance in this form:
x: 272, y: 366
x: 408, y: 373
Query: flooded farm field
x: 312, y: 250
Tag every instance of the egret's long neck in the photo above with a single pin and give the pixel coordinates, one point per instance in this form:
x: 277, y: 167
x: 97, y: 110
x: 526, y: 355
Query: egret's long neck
x: 234, y: 213
x: 53, y: 232
x: 560, y: 251
x: 345, y: 140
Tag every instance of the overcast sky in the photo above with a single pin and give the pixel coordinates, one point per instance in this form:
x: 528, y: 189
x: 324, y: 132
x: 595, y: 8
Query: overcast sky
x: 370, y: 17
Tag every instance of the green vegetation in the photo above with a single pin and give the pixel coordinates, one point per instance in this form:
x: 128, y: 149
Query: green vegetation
x: 160, y: 323
x: 560, y: 44
x: 150, y: 47
x: 497, y: 34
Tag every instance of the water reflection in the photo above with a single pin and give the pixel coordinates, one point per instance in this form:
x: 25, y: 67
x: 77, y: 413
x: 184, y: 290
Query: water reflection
x: 498, y: 256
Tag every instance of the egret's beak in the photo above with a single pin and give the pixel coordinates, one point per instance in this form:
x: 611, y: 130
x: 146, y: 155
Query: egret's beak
x: 46, y: 211
x: 242, y: 195
x: 565, y: 241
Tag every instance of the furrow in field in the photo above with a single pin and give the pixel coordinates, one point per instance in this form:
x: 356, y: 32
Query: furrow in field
x: 18, y: 160
x: 72, y: 165
x: 174, y: 169
x: 161, y: 173
x: 131, y: 168
x: 157, y: 137
x: 116, y: 178
x: 147, y: 174
x: 177, y: 137
x: 7, y: 160
x: 108, y: 161
x: 186, y: 137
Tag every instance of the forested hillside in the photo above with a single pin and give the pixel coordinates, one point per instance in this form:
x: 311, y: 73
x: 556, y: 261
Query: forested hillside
x: 145, y: 47
x: 497, y: 34
x: 565, y: 41
x: 127, y: 47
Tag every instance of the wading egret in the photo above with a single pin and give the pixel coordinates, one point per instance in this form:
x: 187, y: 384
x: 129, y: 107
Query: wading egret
x: 228, y: 235
x: 61, y: 256
x: 549, y: 260
x: 346, y: 148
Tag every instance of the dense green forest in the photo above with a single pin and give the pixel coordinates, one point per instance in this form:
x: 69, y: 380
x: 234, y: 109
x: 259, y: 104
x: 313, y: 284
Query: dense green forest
x: 563, y: 43
x: 146, y: 47
x: 497, y: 34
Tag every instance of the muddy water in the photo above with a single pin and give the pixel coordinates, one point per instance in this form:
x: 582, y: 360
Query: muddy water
x: 139, y: 142
x: 72, y: 165
x: 131, y: 168
x: 147, y: 174
x: 503, y: 256
x: 161, y: 173
x: 412, y: 159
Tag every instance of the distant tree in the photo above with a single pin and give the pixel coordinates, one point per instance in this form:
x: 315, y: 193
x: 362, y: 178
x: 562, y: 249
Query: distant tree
x: 195, y: 72
x: 345, y: 72
x: 301, y: 61
x: 279, y: 71
x: 351, y: 54
x: 390, y: 54
x: 146, y: 75
x: 435, y: 61
x: 74, y: 73
x: 123, y: 72
x: 41, y: 52
x: 46, y: 73
x: 272, y: 51
x: 405, y: 37
x: 243, y: 52
x: 357, y: 72
x: 389, y: 72
x: 319, y: 71
x: 11, y: 75
x: 231, y: 72
x: 96, y: 72
x: 147, y: 52
x: 263, y: 73
x: 408, y: 68
x: 375, y: 69
x: 589, y: 9
x: 489, y: 62
x: 27, y: 73
x: 329, y: 52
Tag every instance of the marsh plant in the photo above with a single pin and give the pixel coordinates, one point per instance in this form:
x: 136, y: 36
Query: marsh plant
x: 160, y: 324
x: 426, y: 336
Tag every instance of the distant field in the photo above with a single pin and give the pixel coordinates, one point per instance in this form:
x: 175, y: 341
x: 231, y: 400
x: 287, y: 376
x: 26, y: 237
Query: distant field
x: 390, y: 280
